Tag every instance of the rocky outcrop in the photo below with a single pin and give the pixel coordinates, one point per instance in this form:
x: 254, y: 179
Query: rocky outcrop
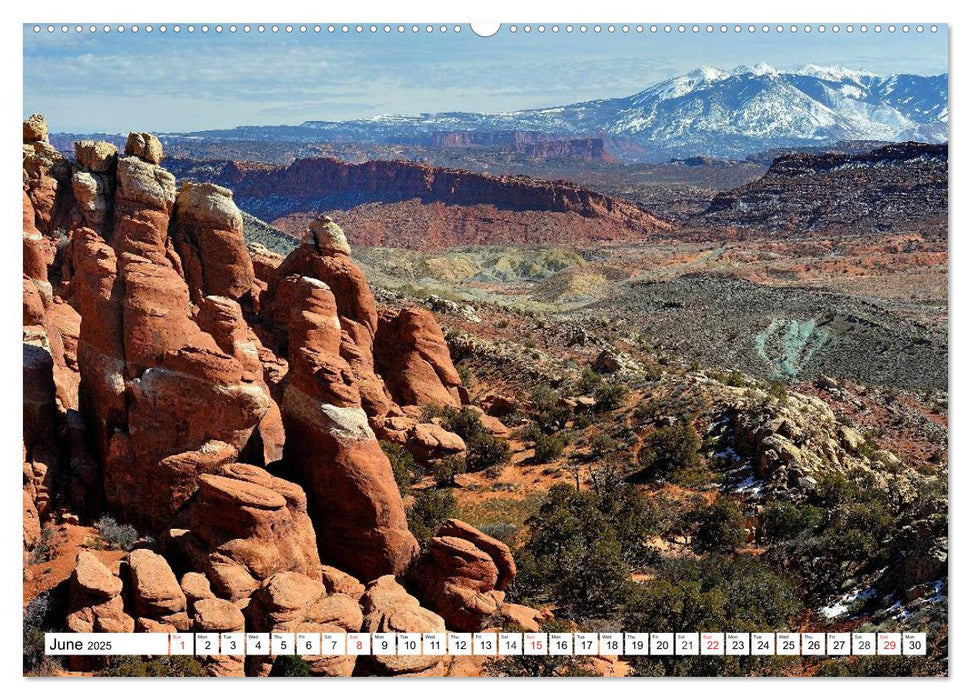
x: 416, y: 205
x: 93, y: 183
x: 463, y: 574
x: 355, y: 503
x: 96, y: 603
x: 897, y: 187
x: 242, y: 526
x: 141, y: 351
x: 47, y: 176
x: 792, y: 444
x: 388, y: 607
x: 215, y: 616
x: 208, y: 235
x: 390, y: 180
x: 411, y: 354
x: 325, y: 256
x: 292, y: 602
x: 158, y: 602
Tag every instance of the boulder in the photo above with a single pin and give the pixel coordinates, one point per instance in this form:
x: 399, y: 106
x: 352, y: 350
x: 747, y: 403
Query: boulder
x: 411, y: 354
x: 156, y: 594
x: 215, y: 616
x: 292, y: 602
x: 241, y: 527
x: 95, y: 602
x: 388, y: 607
x: 463, y: 574
x: 35, y: 128
x: 145, y: 146
x: 96, y: 156
x: 208, y: 235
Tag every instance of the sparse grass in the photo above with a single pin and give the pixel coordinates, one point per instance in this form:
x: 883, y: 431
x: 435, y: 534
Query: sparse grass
x: 490, y: 512
x: 116, y: 535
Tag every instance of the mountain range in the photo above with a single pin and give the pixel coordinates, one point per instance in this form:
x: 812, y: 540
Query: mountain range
x: 710, y: 111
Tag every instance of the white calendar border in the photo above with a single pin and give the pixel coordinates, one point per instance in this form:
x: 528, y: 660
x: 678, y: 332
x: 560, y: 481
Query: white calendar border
x: 508, y: 10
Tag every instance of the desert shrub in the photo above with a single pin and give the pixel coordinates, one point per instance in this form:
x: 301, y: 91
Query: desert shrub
x: 429, y: 510
x: 548, y: 448
x: 403, y: 465
x: 36, y: 662
x: 582, y: 421
x: 117, y: 536
x: 572, y: 557
x: 156, y: 667
x: 484, y: 451
x: 777, y: 390
x: 720, y: 527
x: 832, y: 490
x: 550, y: 415
x: 630, y: 513
x: 446, y: 469
x: 720, y: 593
x: 858, y: 531
x: 670, y: 450
x: 290, y: 666
x: 42, y: 550
x: 610, y: 397
x: 784, y: 521
x: 463, y: 422
x: 601, y: 445
x: 588, y: 381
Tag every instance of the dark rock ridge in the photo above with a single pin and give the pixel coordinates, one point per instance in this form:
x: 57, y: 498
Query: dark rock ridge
x: 327, y: 183
x: 898, y: 186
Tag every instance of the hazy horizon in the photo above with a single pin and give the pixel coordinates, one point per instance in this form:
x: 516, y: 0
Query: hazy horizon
x: 112, y: 83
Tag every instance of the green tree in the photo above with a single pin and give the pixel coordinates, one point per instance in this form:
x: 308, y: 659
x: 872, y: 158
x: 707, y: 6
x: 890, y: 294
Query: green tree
x: 429, y: 510
x: 403, y: 466
x: 782, y: 520
x: 669, y: 451
x: 290, y: 666
x: 573, y: 557
x: 720, y: 527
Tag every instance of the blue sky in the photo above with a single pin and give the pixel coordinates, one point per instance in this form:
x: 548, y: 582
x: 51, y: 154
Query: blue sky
x: 182, y: 82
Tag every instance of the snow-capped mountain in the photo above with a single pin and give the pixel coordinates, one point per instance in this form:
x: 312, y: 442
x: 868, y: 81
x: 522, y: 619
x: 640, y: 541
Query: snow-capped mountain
x: 708, y: 111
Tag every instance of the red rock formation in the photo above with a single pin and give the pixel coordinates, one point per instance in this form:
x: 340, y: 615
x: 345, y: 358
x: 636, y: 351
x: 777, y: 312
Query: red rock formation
x: 93, y: 183
x: 215, y: 616
x: 463, y: 574
x: 141, y: 352
x: 388, y: 608
x: 208, y: 234
x: 355, y: 503
x: 291, y: 602
x: 411, y: 355
x: 325, y: 256
x: 47, y: 176
x: 157, y: 598
x: 95, y: 602
x: 241, y: 527
x: 415, y: 205
x: 390, y: 180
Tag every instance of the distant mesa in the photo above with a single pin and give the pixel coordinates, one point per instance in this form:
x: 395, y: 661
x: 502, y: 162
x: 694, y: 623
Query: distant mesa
x: 415, y: 205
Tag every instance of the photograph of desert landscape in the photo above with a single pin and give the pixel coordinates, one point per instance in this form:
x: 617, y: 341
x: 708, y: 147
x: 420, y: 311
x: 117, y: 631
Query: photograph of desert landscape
x: 401, y: 330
